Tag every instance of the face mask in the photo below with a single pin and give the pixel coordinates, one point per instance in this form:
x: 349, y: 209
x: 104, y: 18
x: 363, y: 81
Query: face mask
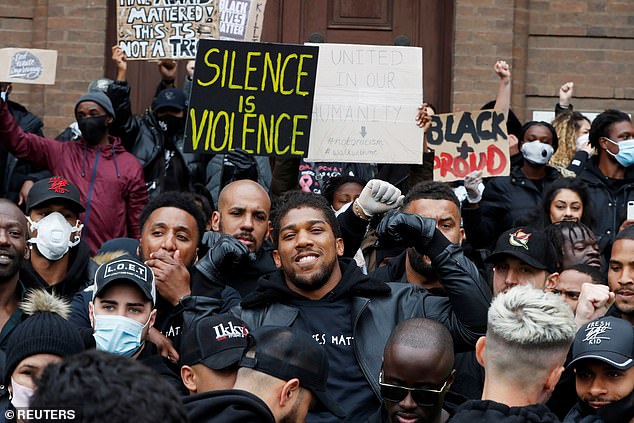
x: 93, y: 129
x: 616, y: 412
x: 53, y: 235
x: 536, y: 152
x: 625, y: 156
x: 582, y: 141
x: 171, y: 125
x: 21, y: 395
x: 118, y: 335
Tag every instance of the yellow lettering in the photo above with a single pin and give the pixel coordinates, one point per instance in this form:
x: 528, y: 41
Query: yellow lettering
x: 197, y: 130
x: 274, y: 71
x: 232, y: 71
x: 289, y: 57
x: 249, y: 69
x: 296, y: 133
x: 224, y: 115
x: 265, y: 134
x: 277, y: 134
x: 246, y: 130
x: 211, y: 65
x: 301, y: 73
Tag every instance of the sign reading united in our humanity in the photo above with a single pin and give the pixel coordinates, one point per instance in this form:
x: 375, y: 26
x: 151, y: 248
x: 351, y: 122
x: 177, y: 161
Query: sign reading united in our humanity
x: 257, y: 97
x: 468, y: 141
x: 366, y: 101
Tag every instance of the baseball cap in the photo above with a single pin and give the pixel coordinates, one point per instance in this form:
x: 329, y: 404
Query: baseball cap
x: 608, y: 339
x: 171, y: 97
x: 53, y: 188
x: 287, y: 353
x: 126, y: 268
x: 216, y: 341
x: 528, y: 245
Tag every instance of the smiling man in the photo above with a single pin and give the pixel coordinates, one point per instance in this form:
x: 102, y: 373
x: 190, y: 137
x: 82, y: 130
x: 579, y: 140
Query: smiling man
x: 602, y: 358
x: 352, y: 314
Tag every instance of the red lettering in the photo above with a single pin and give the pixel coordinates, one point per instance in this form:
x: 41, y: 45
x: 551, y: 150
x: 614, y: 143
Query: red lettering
x: 492, y: 152
x: 481, y: 163
x: 460, y: 167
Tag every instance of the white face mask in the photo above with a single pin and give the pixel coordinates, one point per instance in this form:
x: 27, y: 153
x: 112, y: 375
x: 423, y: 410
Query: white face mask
x: 53, y: 235
x: 21, y: 395
x: 537, y: 152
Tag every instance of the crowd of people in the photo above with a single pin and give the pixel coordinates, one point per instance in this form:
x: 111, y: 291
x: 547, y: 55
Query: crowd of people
x: 139, y: 282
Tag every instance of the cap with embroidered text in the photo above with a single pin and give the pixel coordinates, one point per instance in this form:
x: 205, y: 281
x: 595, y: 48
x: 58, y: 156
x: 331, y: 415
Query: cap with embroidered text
x: 54, y: 188
x: 528, y: 245
x: 608, y: 339
x: 126, y: 268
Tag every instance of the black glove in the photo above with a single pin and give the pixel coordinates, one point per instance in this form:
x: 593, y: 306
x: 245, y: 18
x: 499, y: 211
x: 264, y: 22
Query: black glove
x: 406, y: 229
x: 224, y: 252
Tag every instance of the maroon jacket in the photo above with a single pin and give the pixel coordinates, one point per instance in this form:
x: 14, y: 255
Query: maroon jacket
x: 116, y: 189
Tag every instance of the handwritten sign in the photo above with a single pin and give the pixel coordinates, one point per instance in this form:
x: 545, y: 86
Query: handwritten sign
x: 165, y: 29
x: 28, y: 66
x: 366, y: 99
x: 254, y: 96
x: 241, y: 20
x: 468, y: 141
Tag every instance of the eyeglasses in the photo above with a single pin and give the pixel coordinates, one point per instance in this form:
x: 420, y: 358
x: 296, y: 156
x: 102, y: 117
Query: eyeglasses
x: 421, y: 396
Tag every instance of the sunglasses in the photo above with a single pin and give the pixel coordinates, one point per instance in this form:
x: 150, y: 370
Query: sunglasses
x: 421, y: 396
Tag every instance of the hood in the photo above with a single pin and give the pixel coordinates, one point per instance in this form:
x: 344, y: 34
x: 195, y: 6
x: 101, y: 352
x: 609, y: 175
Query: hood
x: 228, y: 405
x: 115, y: 146
x: 272, y: 288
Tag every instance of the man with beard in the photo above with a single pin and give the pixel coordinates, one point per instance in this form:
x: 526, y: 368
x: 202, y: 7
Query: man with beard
x: 109, y: 179
x: 13, y: 250
x: 435, y: 200
x: 417, y: 373
x: 602, y: 359
x: 621, y: 275
x: 352, y: 314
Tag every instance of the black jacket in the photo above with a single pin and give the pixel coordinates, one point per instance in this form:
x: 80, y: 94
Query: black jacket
x: 76, y: 278
x: 482, y: 411
x: 607, y: 200
x: 507, y: 201
x: 227, y: 406
x: 377, y: 307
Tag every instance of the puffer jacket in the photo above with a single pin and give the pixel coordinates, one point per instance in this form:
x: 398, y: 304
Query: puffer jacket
x: 490, y: 411
x: 507, y: 201
x: 377, y: 307
x: 109, y: 179
x: 608, y: 206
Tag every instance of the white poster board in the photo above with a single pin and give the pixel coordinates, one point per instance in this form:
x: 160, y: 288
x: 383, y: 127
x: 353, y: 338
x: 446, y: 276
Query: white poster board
x: 28, y: 66
x: 241, y: 20
x: 366, y: 101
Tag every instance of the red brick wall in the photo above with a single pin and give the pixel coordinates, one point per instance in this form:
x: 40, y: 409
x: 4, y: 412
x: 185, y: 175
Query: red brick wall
x: 76, y: 29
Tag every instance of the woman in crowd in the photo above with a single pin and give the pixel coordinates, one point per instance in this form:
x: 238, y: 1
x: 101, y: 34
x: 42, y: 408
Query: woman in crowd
x: 566, y: 199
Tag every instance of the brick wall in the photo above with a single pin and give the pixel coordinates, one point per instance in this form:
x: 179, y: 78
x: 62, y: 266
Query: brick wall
x: 547, y: 42
x: 76, y: 29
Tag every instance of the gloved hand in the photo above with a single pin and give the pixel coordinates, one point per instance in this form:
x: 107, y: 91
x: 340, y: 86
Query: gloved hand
x: 238, y: 164
x: 379, y: 197
x: 224, y: 252
x: 472, y: 183
x: 406, y: 229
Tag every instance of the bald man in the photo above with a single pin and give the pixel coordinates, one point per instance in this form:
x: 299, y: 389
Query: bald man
x: 244, y: 253
x: 13, y: 250
x: 417, y: 373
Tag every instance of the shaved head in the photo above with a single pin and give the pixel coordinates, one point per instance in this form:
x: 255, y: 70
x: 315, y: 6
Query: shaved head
x: 244, y: 186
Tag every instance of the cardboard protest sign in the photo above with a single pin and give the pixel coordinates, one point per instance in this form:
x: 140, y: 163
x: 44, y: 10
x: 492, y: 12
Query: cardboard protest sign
x: 257, y: 97
x: 165, y: 29
x: 241, y: 20
x: 28, y: 66
x: 366, y: 100
x: 468, y: 141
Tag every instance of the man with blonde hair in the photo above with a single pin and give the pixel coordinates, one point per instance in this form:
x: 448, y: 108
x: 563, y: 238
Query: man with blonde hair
x: 528, y: 336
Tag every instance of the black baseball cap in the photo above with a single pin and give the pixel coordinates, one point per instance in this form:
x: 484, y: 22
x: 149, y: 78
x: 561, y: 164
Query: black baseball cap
x: 216, y: 341
x: 287, y: 353
x: 531, y: 246
x: 174, y: 98
x: 54, y: 188
x: 126, y: 268
x: 608, y: 339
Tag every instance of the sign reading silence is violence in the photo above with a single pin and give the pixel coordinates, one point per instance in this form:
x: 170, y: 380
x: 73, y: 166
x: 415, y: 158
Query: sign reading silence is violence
x: 257, y: 97
x: 468, y: 141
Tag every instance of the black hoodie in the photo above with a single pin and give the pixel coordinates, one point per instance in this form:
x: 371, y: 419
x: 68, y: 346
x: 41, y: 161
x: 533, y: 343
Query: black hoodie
x: 490, y: 411
x: 227, y: 406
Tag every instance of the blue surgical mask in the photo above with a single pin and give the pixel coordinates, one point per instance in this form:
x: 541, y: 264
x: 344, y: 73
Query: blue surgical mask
x: 118, y: 334
x: 625, y: 156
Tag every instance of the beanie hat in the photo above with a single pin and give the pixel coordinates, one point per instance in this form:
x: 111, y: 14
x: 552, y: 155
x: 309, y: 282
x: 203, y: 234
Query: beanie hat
x: 99, y: 98
x: 45, y: 331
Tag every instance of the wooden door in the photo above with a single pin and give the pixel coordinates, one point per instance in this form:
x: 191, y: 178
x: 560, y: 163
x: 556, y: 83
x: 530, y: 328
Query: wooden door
x: 423, y: 23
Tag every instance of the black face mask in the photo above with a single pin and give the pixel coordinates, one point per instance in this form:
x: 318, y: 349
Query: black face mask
x: 619, y: 411
x: 93, y: 129
x: 171, y: 125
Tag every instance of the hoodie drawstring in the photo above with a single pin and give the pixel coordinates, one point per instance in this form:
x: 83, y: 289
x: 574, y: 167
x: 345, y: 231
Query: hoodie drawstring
x: 83, y: 164
x: 92, y: 184
x: 114, y: 157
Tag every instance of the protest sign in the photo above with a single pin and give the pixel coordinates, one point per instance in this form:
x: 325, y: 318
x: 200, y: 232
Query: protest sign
x: 241, y: 20
x: 468, y: 141
x: 165, y: 29
x: 28, y: 66
x: 257, y: 97
x: 366, y: 101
